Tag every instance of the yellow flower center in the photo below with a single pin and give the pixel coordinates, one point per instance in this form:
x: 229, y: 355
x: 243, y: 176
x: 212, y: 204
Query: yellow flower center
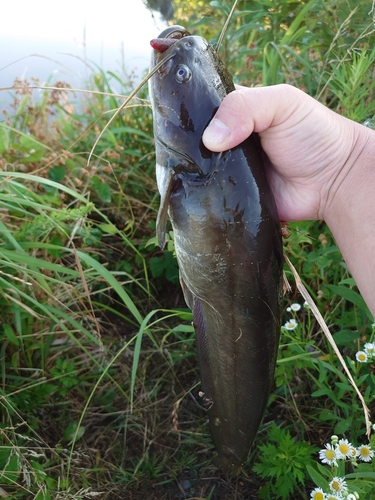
x: 330, y: 454
x: 344, y: 448
x: 362, y: 357
x: 364, y: 451
x: 318, y: 495
x: 335, y: 486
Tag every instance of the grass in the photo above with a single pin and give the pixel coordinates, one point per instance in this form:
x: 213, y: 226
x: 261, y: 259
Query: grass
x: 99, y: 375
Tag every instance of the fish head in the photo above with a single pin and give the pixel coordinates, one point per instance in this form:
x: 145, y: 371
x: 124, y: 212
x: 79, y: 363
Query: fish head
x: 185, y: 91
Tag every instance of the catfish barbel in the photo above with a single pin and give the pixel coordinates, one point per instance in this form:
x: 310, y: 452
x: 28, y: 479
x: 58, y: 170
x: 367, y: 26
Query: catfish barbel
x: 227, y: 239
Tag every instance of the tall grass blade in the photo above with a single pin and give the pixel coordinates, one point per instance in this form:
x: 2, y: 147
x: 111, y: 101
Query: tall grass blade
x: 225, y: 27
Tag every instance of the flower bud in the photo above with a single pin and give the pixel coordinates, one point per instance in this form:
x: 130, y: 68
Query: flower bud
x: 334, y: 440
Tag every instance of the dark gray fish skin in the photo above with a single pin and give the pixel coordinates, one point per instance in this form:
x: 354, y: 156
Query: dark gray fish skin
x: 227, y: 240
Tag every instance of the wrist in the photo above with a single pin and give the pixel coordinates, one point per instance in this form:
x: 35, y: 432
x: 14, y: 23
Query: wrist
x: 350, y: 212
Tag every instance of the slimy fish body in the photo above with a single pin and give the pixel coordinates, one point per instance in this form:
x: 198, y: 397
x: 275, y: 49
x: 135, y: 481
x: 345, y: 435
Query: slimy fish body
x: 227, y: 240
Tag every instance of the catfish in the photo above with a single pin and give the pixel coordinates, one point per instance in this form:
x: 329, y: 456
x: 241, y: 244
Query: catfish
x: 227, y: 240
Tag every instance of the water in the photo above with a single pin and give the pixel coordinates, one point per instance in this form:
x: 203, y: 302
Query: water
x: 66, y: 41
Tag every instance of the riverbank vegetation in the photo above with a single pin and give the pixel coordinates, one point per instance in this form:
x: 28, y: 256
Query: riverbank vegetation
x: 99, y: 373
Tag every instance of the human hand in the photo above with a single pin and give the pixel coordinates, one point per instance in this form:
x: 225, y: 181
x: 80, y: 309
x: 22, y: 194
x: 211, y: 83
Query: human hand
x: 310, y: 146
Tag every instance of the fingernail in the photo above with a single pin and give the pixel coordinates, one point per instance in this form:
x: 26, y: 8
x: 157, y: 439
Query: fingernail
x: 215, y: 133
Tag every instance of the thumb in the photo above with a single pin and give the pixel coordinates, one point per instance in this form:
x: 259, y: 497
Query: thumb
x: 247, y: 110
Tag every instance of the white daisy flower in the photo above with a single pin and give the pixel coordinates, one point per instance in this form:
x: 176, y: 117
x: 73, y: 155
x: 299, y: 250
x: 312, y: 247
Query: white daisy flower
x: 338, y: 485
x: 332, y: 496
x: 369, y: 348
x: 328, y: 455
x: 365, y: 453
x: 343, y: 449
x: 295, y: 307
x: 351, y: 497
x: 291, y: 324
x: 361, y: 356
x: 317, y: 494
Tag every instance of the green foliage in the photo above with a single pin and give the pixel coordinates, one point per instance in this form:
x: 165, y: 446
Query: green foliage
x: 165, y: 265
x: 99, y: 377
x: 9, y: 465
x: 283, y: 463
x: 325, y: 48
x: 352, y: 83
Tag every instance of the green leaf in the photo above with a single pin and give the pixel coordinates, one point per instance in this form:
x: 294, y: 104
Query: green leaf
x: 32, y: 147
x: 300, y: 18
x: 152, y: 241
x: 165, y: 265
x: 352, y: 296
x: 324, y: 471
x: 4, y: 139
x: 91, y: 236
x: 56, y: 241
x: 137, y: 352
x: 33, y: 262
x: 10, y: 335
x: 157, y: 266
x: 131, y: 131
x: 184, y: 328
x: 35, y: 178
x: 112, y: 281
x: 362, y: 379
x: 361, y: 475
x: 42, y: 495
x: 347, y: 281
x: 102, y: 188
x: 107, y: 228
x: 327, y: 415
x: 321, y: 392
x: 342, y: 426
x: 71, y: 432
x: 317, y: 478
x: 346, y: 338
x: 57, y: 173
x: 171, y: 268
x: 9, y: 466
x: 38, y: 470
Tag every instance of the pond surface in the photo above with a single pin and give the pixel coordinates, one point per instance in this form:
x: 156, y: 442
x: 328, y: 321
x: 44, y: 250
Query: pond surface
x: 65, y: 41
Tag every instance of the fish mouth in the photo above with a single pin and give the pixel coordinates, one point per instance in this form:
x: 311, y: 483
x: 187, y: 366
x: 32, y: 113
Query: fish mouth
x: 168, y: 37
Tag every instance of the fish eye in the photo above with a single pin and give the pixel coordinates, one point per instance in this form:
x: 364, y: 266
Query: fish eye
x: 183, y: 73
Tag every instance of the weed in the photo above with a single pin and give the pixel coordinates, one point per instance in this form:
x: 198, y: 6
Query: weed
x: 283, y: 462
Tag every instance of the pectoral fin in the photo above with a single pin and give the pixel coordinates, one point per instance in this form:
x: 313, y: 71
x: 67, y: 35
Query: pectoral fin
x: 188, y: 295
x: 164, y: 178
